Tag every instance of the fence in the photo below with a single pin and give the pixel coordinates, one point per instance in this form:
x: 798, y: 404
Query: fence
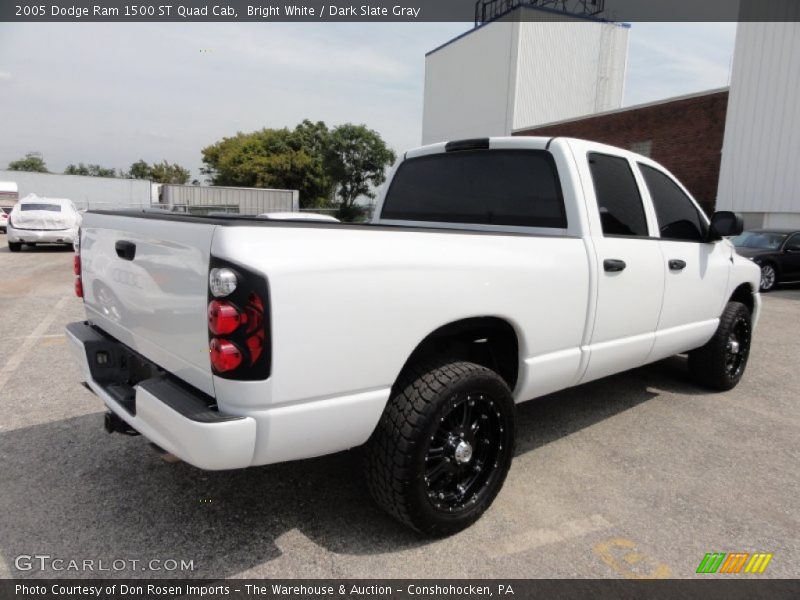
x: 244, y: 201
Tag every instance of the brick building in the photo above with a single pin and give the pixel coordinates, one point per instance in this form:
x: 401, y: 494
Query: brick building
x: 684, y: 134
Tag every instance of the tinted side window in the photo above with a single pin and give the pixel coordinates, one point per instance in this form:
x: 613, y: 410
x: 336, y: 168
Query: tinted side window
x: 678, y: 219
x: 489, y: 187
x: 618, y: 199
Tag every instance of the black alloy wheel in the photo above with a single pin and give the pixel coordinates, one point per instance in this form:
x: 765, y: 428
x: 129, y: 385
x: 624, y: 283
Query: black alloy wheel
x: 463, y: 455
x: 738, y: 347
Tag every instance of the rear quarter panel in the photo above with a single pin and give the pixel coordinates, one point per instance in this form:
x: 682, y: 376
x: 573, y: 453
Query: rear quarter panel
x: 348, y: 306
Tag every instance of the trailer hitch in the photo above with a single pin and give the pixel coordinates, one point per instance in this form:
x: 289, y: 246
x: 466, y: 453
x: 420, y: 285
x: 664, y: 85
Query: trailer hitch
x: 114, y: 424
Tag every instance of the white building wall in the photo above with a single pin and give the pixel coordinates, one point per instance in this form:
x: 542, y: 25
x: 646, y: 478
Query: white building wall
x: 86, y: 192
x: 467, y: 85
x: 567, y: 70
x: 506, y: 76
x: 760, y: 170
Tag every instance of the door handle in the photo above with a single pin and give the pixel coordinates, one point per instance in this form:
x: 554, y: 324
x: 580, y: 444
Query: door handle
x: 676, y: 264
x: 125, y: 250
x: 614, y: 265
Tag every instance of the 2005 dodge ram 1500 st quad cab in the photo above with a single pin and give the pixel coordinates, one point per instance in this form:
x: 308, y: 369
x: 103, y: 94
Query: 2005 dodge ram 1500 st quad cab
x: 496, y: 270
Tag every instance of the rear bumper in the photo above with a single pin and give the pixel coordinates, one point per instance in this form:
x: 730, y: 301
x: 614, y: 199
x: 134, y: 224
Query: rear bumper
x: 36, y: 236
x: 178, y: 418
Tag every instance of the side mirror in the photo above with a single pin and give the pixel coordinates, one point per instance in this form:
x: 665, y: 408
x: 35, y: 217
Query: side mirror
x: 724, y: 223
x: 793, y: 248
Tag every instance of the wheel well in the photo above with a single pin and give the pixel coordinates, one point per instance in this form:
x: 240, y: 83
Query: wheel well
x: 744, y: 294
x: 488, y: 341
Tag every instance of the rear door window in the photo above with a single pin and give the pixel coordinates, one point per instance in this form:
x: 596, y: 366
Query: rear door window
x: 618, y: 198
x: 487, y: 187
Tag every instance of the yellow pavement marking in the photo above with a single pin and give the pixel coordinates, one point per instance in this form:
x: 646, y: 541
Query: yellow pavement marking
x: 610, y: 550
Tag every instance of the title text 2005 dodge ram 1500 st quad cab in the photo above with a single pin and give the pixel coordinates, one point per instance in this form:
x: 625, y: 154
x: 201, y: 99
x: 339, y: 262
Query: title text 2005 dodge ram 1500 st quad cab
x: 495, y: 271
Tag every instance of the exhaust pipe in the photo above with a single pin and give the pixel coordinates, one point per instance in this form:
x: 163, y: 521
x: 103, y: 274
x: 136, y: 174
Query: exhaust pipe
x: 114, y: 424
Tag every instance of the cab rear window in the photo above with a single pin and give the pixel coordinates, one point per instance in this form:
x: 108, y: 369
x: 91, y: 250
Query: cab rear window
x: 485, y: 187
x: 50, y: 207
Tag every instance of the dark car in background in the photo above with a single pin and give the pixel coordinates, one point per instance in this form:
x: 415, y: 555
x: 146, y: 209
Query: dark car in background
x: 775, y: 251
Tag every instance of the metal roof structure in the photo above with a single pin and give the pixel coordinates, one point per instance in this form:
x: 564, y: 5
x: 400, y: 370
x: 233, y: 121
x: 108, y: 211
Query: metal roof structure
x: 489, y: 10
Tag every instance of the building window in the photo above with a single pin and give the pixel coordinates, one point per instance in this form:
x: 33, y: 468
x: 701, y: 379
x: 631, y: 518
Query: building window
x: 644, y: 148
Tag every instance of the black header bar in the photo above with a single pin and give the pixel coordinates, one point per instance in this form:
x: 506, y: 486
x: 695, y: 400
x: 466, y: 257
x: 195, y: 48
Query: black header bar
x: 390, y: 10
x: 733, y: 588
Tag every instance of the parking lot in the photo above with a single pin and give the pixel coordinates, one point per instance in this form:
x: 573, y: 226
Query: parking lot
x: 638, y: 475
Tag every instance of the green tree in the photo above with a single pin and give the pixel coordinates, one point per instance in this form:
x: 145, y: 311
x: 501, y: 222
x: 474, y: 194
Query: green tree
x: 273, y: 158
x: 349, y: 160
x: 313, y: 139
x: 90, y: 170
x: 139, y: 170
x: 32, y: 162
x: 165, y: 172
x: 356, y: 159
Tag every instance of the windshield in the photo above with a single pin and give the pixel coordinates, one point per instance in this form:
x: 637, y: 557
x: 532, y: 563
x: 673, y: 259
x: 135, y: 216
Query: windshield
x: 5, y: 210
x: 50, y: 207
x: 759, y: 239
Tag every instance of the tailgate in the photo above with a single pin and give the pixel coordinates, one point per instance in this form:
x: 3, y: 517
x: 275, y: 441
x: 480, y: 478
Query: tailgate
x: 145, y: 282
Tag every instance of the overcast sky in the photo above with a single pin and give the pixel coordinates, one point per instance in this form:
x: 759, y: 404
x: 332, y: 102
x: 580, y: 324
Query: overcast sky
x: 114, y: 93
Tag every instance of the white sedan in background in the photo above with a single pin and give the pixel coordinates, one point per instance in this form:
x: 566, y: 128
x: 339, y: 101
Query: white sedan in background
x: 35, y: 220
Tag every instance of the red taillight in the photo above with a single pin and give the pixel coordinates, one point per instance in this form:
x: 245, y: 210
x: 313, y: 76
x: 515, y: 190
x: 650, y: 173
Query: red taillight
x: 223, y: 317
x: 238, y: 323
x: 76, y: 268
x: 255, y: 344
x: 255, y: 326
x: 225, y: 356
x: 255, y: 313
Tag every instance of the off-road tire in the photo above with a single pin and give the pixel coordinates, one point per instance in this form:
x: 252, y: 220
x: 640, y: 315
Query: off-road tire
x: 396, y: 454
x: 15, y: 246
x: 710, y: 365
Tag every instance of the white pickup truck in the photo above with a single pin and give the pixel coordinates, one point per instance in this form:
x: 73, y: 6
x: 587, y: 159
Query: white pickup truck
x: 496, y: 270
